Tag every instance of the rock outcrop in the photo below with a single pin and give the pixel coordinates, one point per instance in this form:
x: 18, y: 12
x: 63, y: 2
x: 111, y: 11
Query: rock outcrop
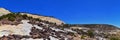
x: 3, y: 11
x: 49, y: 19
x: 24, y: 26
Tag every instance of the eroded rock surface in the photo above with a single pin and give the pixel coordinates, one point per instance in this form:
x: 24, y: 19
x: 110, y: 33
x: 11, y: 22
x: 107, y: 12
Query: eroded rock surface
x: 18, y: 26
x: 3, y: 11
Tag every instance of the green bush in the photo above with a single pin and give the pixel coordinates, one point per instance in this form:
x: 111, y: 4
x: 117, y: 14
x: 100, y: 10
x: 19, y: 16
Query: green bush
x: 70, y: 33
x: 83, y: 37
x: 37, y: 19
x: 90, y: 33
x: 114, y: 38
x: 30, y: 18
x: 11, y: 18
x: 24, y: 16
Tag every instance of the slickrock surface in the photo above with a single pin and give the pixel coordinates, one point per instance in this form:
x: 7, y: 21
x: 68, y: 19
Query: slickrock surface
x: 50, y: 19
x: 3, y: 11
x: 19, y: 26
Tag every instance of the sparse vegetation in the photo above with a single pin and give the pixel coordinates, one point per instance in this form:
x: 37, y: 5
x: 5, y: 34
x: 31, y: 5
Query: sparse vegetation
x: 10, y: 17
x: 14, y: 16
x: 114, y: 38
x: 70, y: 33
x: 90, y: 33
x: 24, y: 16
x: 37, y: 19
x: 82, y: 32
x: 83, y: 37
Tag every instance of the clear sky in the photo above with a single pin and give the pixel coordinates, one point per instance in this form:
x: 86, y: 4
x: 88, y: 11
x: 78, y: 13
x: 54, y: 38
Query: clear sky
x: 70, y: 11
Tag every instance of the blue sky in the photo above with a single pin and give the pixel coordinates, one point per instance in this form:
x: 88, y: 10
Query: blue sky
x: 70, y: 11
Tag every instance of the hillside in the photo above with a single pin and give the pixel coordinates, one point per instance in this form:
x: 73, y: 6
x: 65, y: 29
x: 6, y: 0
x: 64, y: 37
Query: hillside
x: 25, y: 26
x: 46, y: 18
x: 96, y: 26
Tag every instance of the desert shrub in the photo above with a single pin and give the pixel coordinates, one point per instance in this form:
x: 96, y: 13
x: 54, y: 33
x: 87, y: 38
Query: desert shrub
x: 37, y: 19
x: 11, y: 18
x: 24, y: 16
x: 90, y: 33
x: 30, y: 17
x: 66, y: 25
x: 83, y: 37
x: 70, y: 33
x: 114, y: 38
